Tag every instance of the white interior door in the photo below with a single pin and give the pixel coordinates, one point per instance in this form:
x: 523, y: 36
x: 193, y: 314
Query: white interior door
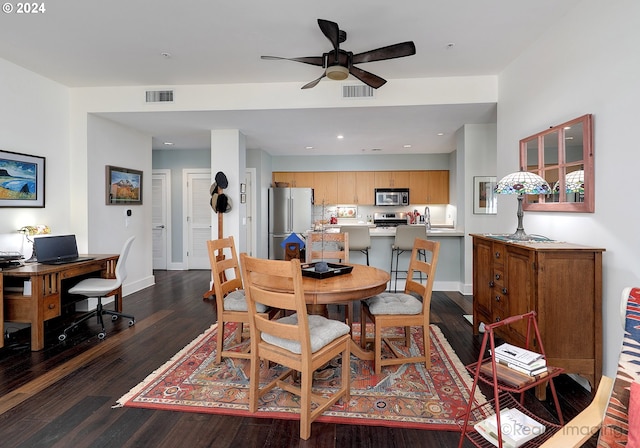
x: 160, y: 212
x: 198, y: 218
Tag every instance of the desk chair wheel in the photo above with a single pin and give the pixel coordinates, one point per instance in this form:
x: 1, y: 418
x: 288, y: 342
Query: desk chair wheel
x: 62, y: 337
x: 132, y: 323
x: 102, y: 335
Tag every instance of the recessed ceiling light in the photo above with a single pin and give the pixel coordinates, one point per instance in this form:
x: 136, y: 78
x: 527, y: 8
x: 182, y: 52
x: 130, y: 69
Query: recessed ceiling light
x: 340, y: 136
x: 165, y: 54
x: 450, y: 45
x: 406, y: 146
x: 308, y: 147
x: 376, y: 149
x: 440, y: 134
x: 169, y: 143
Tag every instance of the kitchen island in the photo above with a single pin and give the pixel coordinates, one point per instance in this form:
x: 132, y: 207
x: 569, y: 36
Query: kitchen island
x: 449, y: 272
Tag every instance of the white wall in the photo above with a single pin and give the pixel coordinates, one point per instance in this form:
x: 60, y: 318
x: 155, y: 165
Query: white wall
x: 476, y: 157
x: 109, y: 226
x: 587, y: 63
x: 34, y: 117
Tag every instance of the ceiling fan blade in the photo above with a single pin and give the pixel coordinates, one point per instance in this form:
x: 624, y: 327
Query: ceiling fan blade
x: 312, y: 60
x: 313, y: 83
x: 368, y: 78
x: 332, y: 31
x: 389, y: 52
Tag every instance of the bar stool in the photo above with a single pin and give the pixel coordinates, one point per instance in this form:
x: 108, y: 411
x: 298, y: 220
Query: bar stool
x: 359, y: 239
x: 405, y: 236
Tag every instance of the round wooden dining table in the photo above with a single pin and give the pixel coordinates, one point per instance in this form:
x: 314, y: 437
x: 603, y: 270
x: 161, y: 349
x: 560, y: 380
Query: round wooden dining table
x: 362, y: 282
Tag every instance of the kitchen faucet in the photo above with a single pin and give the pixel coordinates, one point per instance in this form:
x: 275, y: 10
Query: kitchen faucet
x: 427, y: 218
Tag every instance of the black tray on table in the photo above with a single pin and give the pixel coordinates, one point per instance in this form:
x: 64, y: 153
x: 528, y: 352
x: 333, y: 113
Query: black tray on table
x: 309, y: 270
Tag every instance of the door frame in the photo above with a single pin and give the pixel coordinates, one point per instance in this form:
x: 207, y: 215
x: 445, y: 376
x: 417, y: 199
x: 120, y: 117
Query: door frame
x: 185, y: 211
x: 166, y: 173
x: 252, y: 211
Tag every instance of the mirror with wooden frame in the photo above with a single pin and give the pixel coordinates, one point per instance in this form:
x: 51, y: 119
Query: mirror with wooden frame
x: 563, y: 156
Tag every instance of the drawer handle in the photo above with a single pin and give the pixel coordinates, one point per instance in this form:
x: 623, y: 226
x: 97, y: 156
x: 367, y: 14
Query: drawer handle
x: 504, y: 290
x: 497, y: 276
x: 497, y: 319
x: 51, y: 306
x: 497, y: 298
x: 491, y: 284
x: 497, y: 254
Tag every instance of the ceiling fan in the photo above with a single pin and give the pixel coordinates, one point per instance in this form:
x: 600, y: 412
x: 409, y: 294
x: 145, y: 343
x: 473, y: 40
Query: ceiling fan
x: 338, y: 64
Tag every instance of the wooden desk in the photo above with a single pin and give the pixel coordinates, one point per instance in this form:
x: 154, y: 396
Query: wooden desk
x: 362, y: 282
x: 44, y: 303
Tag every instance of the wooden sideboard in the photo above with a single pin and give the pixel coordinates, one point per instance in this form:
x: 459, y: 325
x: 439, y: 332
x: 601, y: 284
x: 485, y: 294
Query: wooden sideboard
x: 562, y: 282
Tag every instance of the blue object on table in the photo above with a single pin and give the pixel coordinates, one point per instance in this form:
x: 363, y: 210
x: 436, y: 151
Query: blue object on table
x: 293, y: 238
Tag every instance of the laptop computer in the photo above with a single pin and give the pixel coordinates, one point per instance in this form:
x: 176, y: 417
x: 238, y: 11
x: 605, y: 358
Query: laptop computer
x: 57, y: 250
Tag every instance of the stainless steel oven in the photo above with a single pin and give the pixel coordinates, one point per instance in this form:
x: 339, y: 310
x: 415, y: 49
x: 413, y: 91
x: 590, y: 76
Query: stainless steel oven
x: 392, y: 196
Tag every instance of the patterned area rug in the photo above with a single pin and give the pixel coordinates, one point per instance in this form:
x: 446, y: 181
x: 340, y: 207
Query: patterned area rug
x: 407, y: 395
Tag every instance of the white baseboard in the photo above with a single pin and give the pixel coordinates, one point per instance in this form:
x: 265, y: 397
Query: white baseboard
x: 130, y: 288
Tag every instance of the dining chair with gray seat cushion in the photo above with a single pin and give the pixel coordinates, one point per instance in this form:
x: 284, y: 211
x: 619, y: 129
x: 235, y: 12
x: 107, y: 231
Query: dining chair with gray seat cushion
x: 300, y: 342
x: 403, y: 310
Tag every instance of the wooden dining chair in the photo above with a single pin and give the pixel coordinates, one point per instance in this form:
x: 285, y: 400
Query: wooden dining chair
x: 301, y: 342
x: 388, y: 309
x: 323, y: 246
x: 231, y: 305
x: 334, y: 246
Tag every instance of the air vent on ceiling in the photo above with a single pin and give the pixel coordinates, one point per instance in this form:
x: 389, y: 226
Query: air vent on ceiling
x: 159, y: 96
x: 357, y: 91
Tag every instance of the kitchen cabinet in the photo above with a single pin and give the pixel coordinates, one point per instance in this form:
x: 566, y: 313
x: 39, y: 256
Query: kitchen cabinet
x: 365, y: 185
x: 429, y: 187
x: 355, y: 187
x: 391, y: 179
x: 325, y: 187
x: 298, y: 179
x: 561, y: 282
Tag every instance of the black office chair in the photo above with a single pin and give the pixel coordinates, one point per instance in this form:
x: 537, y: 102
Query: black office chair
x: 100, y: 288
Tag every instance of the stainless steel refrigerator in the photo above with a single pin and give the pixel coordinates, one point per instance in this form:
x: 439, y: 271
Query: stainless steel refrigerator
x: 290, y: 210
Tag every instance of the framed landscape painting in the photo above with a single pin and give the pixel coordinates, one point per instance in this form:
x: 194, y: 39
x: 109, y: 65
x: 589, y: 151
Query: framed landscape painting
x: 21, y: 180
x: 485, y: 200
x: 123, y: 186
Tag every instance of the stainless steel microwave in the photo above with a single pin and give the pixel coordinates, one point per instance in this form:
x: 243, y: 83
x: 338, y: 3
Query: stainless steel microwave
x: 392, y: 196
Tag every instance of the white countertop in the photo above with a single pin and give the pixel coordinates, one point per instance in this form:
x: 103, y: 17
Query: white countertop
x: 435, y: 232
x: 375, y: 231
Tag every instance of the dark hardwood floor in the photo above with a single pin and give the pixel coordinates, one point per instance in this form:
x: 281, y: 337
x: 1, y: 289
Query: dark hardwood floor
x: 63, y: 395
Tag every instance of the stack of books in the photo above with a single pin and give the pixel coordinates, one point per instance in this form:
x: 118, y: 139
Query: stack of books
x: 521, y: 359
x: 517, y: 428
x: 516, y: 366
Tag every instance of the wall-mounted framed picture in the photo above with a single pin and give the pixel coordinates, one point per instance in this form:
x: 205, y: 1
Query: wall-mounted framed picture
x: 123, y: 186
x: 485, y: 199
x: 21, y: 180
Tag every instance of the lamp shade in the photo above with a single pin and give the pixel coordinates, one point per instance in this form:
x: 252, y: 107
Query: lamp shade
x: 40, y: 229
x: 522, y: 182
x: 574, y: 182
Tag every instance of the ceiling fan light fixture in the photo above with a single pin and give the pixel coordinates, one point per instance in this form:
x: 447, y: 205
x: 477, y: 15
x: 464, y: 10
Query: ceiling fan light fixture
x: 337, y: 72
